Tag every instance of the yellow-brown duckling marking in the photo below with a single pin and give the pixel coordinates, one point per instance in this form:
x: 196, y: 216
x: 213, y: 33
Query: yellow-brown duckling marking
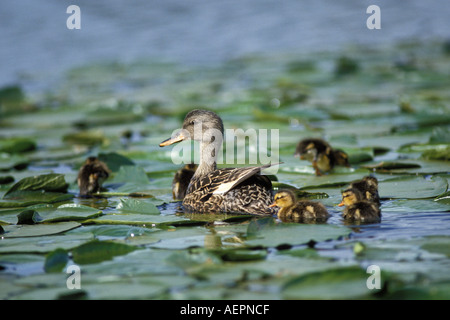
x: 368, y: 186
x: 91, y: 176
x: 357, y: 208
x: 323, y: 157
x: 298, y: 211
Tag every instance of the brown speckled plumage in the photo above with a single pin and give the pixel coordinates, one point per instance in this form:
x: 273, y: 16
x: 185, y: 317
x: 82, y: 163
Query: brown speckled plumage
x: 91, y: 176
x: 238, y: 190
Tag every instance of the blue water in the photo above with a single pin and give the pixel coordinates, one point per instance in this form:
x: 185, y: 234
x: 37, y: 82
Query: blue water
x: 36, y: 47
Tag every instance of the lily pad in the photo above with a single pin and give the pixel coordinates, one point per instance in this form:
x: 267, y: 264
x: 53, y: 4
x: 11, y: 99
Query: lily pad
x: 15, y: 231
x: 339, y: 283
x: 137, y: 206
x: 17, y: 145
x: 56, y: 260
x: 52, y: 182
x: 97, y: 251
x: 412, y: 187
x: 261, y: 233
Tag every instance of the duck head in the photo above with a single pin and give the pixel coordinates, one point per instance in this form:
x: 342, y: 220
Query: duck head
x: 200, y: 125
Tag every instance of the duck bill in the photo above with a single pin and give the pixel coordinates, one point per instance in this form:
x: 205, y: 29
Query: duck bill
x: 273, y: 205
x: 341, y: 204
x: 175, y: 139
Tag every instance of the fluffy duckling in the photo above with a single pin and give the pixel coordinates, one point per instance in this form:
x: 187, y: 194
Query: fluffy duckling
x: 181, y: 180
x: 357, y: 208
x: 368, y: 186
x: 323, y: 157
x: 298, y: 211
x: 91, y: 176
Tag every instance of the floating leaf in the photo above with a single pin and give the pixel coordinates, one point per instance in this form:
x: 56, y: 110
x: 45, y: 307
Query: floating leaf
x: 412, y: 187
x: 28, y: 217
x: 340, y: 283
x: 115, y: 160
x: 97, y: 251
x: 56, y: 260
x: 391, y: 165
x: 17, y: 145
x: 137, y: 206
x: 15, y: 231
x: 29, y: 198
x: 88, y: 138
x: 52, y: 182
x: 274, y: 235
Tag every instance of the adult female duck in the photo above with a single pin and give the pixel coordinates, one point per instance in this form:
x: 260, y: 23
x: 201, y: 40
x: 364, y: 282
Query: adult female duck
x: 239, y: 190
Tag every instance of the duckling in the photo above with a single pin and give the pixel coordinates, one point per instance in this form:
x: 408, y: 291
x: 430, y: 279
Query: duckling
x: 212, y: 189
x: 181, y: 180
x: 357, y: 208
x: 91, y: 176
x: 298, y: 211
x: 321, y: 154
x: 368, y: 186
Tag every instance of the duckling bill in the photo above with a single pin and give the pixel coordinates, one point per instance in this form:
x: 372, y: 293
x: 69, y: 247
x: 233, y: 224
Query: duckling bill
x: 91, y: 176
x: 323, y: 157
x: 298, y: 211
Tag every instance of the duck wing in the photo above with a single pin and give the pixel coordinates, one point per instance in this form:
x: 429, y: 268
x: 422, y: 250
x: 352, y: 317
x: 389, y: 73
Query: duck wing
x: 221, y: 181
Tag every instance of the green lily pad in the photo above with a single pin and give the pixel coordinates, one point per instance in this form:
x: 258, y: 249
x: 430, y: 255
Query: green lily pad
x: 29, y: 198
x: 14, y: 231
x: 97, y: 251
x: 412, y: 187
x: 56, y: 260
x: 264, y: 233
x: 114, y: 160
x: 28, y: 217
x: 52, y: 182
x: 137, y: 206
x: 17, y: 145
x: 339, y: 283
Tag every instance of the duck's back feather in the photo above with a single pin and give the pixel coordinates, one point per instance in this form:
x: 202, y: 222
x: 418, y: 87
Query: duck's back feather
x: 231, y: 190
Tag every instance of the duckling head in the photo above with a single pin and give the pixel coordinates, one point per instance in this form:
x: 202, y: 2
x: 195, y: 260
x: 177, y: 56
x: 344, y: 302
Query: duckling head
x: 350, y: 196
x: 371, y: 181
x: 283, y: 199
x: 199, y: 125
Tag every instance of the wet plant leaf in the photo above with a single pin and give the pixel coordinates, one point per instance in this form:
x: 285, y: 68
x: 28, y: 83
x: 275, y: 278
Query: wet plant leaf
x: 114, y: 160
x: 15, y: 231
x: 52, y: 182
x: 340, y: 283
x: 97, y: 251
x: 17, y: 145
x: 137, y: 206
x: 28, y: 217
x: 262, y: 232
x: 29, y: 198
x: 56, y: 260
x: 412, y: 187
